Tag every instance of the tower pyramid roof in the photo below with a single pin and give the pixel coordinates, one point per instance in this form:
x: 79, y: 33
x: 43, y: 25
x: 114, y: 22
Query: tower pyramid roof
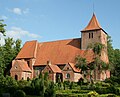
x: 93, y: 24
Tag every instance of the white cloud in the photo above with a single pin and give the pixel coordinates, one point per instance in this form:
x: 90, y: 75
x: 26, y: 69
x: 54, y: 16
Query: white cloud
x: 19, y: 11
x: 3, y: 17
x: 1, y: 39
x: 17, y: 32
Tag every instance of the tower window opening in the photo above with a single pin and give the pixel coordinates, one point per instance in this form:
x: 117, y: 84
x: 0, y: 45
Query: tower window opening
x: 92, y: 35
x: 89, y: 35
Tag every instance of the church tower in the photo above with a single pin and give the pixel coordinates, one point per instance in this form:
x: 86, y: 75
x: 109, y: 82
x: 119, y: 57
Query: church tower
x: 93, y: 33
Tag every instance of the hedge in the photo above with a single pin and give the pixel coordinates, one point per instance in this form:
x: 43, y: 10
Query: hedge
x: 71, y: 95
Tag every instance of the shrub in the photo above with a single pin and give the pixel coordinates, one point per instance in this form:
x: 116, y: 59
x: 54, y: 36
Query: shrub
x: 62, y: 95
x: 108, y: 95
x: 80, y: 91
x: 71, y: 85
x: 29, y: 90
x: 1, y: 95
x: 50, y: 91
x: 23, y: 83
x: 101, y: 90
x: 111, y: 95
x: 84, y: 87
x: 19, y: 93
x: 91, y: 86
x: 70, y: 95
x: 113, y: 89
x: 113, y: 80
x: 67, y: 83
x: 102, y: 84
x: 11, y: 89
x: 92, y: 93
x: 108, y: 80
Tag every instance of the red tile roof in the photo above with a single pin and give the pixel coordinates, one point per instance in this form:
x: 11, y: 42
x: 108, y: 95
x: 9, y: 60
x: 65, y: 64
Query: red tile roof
x: 58, y: 52
x: 55, y: 68
x: 93, y: 24
x: 23, y: 65
x: 73, y: 67
x: 28, y: 50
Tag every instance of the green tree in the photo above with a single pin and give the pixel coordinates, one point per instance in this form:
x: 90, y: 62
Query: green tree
x: 19, y: 93
x: 91, y: 67
x: 50, y: 91
x: 17, y: 46
x: 111, y: 56
x: 117, y: 62
x: 97, y: 48
x: 7, y: 53
x: 46, y: 80
x: 2, y: 31
x: 38, y: 85
x: 81, y: 63
x: 2, y: 27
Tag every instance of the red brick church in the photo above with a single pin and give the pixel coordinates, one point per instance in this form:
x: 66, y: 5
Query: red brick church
x: 58, y: 57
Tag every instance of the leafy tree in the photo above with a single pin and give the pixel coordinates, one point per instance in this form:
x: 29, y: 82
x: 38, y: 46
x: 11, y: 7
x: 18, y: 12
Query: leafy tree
x: 19, y: 93
x: 2, y: 65
x: 17, y: 46
x: 97, y: 48
x: 91, y: 67
x: 81, y: 63
x: 117, y: 62
x: 2, y: 29
x: 7, y: 53
x: 42, y: 88
x: 111, y: 56
x: 10, y: 81
x: 46, y: 80
x: 50, y: 91
x: 38, y: 85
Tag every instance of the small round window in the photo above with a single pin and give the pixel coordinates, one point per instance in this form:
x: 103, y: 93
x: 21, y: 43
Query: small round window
x: 15, y: 67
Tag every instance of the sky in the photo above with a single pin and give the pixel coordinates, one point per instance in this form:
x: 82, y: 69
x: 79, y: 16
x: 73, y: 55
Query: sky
x: 50, y: 20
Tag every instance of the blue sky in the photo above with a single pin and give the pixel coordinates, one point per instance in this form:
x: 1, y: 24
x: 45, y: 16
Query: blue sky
x: 49, y: 20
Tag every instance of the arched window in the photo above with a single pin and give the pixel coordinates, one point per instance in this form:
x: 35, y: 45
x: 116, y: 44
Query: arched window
x: 89, y: 35
x: 92, y: 35
x: 67, y: 75
x: 16, y: 77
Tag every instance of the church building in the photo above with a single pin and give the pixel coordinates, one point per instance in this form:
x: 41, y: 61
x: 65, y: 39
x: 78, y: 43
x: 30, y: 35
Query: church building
x: 58, y: 57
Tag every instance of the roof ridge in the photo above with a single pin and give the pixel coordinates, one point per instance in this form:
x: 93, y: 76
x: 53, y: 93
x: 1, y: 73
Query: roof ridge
x: 35, y: 49
x: 58, y: 40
